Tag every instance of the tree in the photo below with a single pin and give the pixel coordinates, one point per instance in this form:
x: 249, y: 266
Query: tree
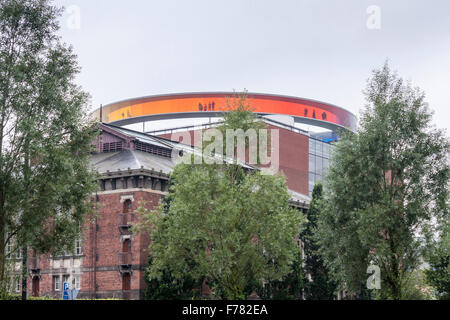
x: 386, y: 185
x: 230, y: 227
x: 289, y: 287
x: 167, y: 287
x: 416, y: 287
x: 438, y: 275
x: 228, y: 230
x: 319, y: 285
x: 45, y: 136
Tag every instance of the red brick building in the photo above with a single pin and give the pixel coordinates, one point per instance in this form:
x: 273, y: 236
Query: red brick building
x: 109, y: 260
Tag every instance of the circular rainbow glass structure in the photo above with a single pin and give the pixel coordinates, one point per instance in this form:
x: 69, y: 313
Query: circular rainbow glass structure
x: 213, y: 104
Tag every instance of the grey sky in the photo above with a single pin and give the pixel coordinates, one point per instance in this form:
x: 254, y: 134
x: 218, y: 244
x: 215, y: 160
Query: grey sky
x: 318, y: 49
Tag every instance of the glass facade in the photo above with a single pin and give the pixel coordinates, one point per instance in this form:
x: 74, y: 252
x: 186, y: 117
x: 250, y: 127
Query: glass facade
x: 319, y: 158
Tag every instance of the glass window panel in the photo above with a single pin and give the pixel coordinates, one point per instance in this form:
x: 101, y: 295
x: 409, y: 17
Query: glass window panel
x: 311, y: 182
x: 76, y: 282
x: 78, y: 247
x: 319, y: 148
x: 312, y: 146
x: 9, y: 247
x: 318, y: 165
x: 56, y: 282
x: 326, y: 150
x: 318, y: 178
x: 312, y: 160
x: 311, y: 178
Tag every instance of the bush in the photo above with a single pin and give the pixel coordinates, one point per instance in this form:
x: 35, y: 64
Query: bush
x: 18, y: 297
x: 10, y: 296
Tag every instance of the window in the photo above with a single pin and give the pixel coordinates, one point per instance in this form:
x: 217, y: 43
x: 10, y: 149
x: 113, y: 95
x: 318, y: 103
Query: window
x: 9, y: 247
x: 319, y: 148
x: 145, y: 147
x: 112, y: 147
x: 318, y: 178
x: 78, y: 247
x: 11, y: 251
x: 318, y: 165
x: 127, y: 206
x: 75, y: 252
x: 312, y: 163
x: 312, y: 146
x: 56, y: 283
x: 311, y: 182
x: 319, y: 155
x: 76, y: 282
x: 17, y: 285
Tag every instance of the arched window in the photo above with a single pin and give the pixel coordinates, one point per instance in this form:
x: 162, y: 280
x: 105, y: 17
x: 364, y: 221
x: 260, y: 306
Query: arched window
x: 127, y: 206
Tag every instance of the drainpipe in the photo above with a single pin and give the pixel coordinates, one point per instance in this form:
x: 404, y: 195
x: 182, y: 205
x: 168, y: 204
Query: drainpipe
x: 95, y: 251
x: 93, y: 292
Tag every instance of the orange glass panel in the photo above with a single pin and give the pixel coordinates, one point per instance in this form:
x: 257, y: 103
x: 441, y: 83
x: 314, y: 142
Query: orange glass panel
x: 319, y: 111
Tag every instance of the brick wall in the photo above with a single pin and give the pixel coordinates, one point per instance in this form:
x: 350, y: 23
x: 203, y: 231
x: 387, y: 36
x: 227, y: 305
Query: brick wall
x: 294, y: 148
x: 106, y: 239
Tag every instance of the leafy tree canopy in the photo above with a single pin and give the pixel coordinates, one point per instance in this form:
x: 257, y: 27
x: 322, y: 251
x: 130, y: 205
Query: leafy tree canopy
x: 230, y: 227
x: 386, y: 185
x: 438, y: 274
x: 318, y: 282
x: 227, y: 230
x: 45, y: 136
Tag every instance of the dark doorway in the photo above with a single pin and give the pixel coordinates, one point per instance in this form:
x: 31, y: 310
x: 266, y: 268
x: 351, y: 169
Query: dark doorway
x: 126, y: 286
x: 35, y: 287
x: 126, y: 246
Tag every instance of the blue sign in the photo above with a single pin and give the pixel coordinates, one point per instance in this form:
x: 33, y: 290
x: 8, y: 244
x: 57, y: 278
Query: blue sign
x: 69, y: 294
x: 66, y: 291
x: 66, y: 286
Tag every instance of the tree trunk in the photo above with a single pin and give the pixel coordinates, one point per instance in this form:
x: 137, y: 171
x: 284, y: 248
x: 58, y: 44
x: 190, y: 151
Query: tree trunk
x: 2, y: 237
x: 2, y: 258
x: 24, y: 272
x: 26, y: 175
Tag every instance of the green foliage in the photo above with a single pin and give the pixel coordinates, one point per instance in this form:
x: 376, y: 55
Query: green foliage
x: 240, y: 115
x: 223, y: 225
x: 167, y: 287
x: 289, y: 288
x: 416, y: 287
x: 10, y: 296
x: 438, y: 274
x: 318, y: 283
x: 45, y: 136
x: 4, y: 295
x: 385, y: 185
x: 228, y: 231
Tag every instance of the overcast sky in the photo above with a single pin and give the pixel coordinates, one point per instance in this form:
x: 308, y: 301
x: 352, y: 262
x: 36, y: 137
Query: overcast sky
x: 318, y: 49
